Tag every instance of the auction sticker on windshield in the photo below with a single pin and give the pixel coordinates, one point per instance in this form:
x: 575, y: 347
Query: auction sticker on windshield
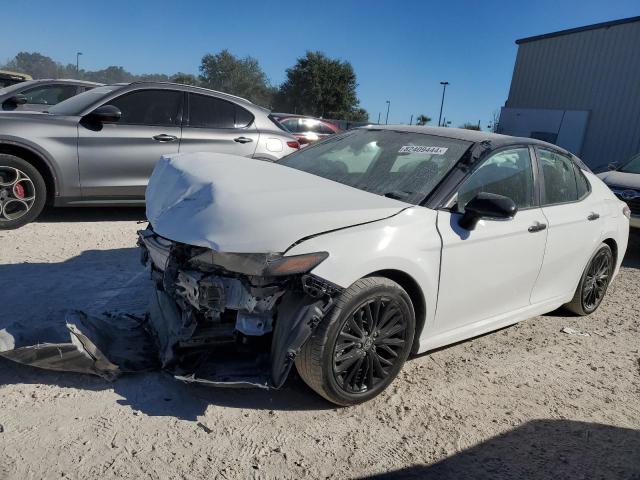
x: 423, y: 149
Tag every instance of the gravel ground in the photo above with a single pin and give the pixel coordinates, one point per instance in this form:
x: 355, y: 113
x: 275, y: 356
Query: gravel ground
x: 524, y: 402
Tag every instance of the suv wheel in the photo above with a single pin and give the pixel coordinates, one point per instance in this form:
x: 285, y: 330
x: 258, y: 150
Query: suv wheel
x: 359, y: 349
x: 23, y: 192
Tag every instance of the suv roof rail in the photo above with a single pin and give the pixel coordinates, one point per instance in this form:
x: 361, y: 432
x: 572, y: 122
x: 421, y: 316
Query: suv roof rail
x: 137, y: 82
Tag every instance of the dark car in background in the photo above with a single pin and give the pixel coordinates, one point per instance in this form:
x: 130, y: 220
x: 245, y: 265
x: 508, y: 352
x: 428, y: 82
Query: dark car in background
x: 41, y: 94
x: 100, y: 147
x: 307, y: 129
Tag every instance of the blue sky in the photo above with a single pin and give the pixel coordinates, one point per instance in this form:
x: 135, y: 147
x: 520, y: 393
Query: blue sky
x: 400, y: 50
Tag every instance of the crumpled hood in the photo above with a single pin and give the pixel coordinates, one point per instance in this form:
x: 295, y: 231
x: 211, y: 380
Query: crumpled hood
x: 621, y: 179
x: 236, y: 204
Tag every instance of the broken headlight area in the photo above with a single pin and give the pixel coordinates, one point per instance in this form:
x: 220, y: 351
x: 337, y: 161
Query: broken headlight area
x: 229, y: 318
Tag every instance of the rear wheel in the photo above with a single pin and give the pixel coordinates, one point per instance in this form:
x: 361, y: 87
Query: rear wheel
x: 23, y: 192
x: 360, y: 348
x: 593, y: 283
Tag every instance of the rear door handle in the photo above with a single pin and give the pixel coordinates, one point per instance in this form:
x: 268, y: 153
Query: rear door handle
x: 593, y: 216
x: 243, y: 140
x: 163, y: 138
x: 537, y: 227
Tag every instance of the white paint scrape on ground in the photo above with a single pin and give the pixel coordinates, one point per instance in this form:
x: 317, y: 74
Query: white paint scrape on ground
x: 528, y: 401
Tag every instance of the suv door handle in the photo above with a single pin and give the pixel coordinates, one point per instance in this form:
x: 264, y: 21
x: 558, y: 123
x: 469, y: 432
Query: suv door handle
x: 163, y: 137
x: 537, y: 227
x: 593, y: 216
x: 243, y: 140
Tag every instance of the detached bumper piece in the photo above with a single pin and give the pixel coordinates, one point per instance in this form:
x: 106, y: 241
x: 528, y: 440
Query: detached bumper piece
x: 106, y: 346
x: 228, y: 320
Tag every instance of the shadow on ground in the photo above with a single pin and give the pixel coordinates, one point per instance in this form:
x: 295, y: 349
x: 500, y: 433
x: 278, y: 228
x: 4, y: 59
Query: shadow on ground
x: 540, y: 450
x: 92, y: 214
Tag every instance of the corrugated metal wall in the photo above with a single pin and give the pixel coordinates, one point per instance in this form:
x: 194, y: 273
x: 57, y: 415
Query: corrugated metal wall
x: 596, y: 70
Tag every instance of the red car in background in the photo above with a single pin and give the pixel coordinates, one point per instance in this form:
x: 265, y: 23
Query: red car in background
x: 306, y: 129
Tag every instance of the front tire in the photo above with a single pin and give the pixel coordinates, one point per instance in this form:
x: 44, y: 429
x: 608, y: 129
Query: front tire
x: 357, y: 351
x: 593, y: 283
x: 23, y: 192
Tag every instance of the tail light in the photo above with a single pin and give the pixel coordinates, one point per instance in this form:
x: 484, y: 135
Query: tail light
x: 293, y: 144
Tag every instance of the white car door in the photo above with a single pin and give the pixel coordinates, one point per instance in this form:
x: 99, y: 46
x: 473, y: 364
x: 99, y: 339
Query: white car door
x: 490, y: 271
x: 575, y: 224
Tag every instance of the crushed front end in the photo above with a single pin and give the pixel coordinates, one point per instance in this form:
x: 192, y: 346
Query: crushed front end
x: 232, y: 319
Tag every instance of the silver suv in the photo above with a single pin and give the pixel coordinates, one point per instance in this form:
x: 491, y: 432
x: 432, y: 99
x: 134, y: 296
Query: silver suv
x: 100, y: 147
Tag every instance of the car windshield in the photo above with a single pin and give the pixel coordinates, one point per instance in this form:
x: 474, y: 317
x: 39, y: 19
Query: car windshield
x: 78, y: 104
x: 406, y: 166
x: 633, y: 166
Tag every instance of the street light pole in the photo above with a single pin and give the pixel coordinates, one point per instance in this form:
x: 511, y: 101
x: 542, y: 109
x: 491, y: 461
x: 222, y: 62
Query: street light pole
x: 386, y: 121
x: 78, y: 63
x: 444, y: 88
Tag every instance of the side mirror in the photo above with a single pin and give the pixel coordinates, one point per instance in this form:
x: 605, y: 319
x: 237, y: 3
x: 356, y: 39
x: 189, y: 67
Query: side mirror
x: 487, y: 205
x: 16, y: 100
x: 104, y: 114
x: 613, y: 166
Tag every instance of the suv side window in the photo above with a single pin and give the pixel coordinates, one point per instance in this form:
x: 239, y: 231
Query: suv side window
x: 559, y: 174
x: 149, y: 107
x: 212, y: 112
x: 50, y: 94
x: 508, y: 173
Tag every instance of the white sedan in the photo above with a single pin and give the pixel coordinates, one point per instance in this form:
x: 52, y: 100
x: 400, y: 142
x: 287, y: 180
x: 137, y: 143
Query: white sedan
x: 348, y: 256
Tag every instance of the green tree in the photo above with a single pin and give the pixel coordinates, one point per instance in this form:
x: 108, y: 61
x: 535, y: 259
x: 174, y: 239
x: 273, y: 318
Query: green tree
x: 238, y: 76
x: 422, y: 120
x: 35, y: 64
x: 470, y: 126
x: 321, y: 86
x: 184, y: 78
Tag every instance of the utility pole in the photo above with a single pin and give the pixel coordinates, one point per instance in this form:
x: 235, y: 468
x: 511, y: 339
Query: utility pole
x: 411, y: 121
x: 444, y: 88
x: 386, y: 122
x: 378, y: 118
x: 78, y: 64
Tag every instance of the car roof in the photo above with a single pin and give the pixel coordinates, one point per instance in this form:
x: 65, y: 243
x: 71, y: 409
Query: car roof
x: 475, y: 136
x: 62, y: 80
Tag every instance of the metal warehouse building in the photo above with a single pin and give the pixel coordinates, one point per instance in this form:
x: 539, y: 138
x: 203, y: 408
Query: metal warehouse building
x: 579, y: 89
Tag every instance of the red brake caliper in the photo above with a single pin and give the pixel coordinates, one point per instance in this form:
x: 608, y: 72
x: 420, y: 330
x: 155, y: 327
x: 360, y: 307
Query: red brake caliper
x: 18, y: 189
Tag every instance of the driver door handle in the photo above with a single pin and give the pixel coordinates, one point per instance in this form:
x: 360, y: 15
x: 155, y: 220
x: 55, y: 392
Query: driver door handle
x: 537, y: 227
x: 243, y: 140
x: 593, y: 216
x: 163, y: 138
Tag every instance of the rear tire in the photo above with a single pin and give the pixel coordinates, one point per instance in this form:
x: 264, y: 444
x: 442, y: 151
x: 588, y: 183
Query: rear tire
x: 593, y: 283
x: 360, y: 347
x: 23, y: 192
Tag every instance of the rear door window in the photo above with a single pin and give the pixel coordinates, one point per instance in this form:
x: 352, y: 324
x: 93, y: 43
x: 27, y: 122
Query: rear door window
x: 559, y: 172
x: 211, y: 112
